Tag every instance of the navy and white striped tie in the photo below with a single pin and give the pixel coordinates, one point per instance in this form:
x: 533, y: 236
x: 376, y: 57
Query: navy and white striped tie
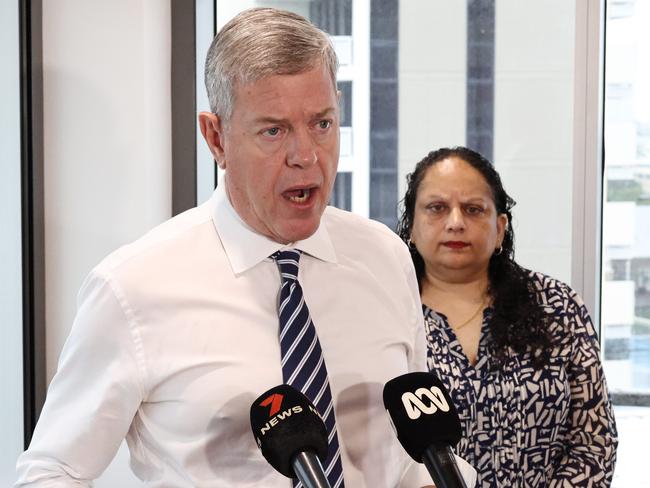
x: 303, y: 365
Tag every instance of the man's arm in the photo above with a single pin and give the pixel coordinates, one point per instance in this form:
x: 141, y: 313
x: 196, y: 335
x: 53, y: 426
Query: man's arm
x: 92, y: 398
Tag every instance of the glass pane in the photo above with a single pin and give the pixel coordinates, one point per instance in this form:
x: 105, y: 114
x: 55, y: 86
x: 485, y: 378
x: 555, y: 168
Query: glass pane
x: 11, y: 360
x: 625, y: 313
x: 488, y: 75
x: 333, y: 16
x: 342, y: 191
x: 345, y: 87
x: 626, y: 213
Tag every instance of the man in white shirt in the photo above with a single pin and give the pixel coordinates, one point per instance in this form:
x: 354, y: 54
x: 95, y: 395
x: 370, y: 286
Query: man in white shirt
x: 177, y: 333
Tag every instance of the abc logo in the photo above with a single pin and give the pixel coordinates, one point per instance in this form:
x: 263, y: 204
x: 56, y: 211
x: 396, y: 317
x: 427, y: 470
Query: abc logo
x: 424, y: 400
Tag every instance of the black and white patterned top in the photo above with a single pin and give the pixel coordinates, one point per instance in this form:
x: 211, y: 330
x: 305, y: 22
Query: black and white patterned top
x: 527, y: 427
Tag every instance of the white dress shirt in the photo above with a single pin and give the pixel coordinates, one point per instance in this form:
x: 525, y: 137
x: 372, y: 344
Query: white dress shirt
x: 177, y: 333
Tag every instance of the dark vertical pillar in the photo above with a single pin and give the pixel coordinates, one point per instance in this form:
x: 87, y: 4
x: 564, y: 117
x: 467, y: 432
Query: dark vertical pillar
x: 480, y: 76
x: 33, y: 228
x: 384, y: 104
x: 183, y: 78
x: 335, y: 18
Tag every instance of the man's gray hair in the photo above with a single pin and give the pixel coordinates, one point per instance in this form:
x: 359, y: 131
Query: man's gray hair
x: 262, y: 42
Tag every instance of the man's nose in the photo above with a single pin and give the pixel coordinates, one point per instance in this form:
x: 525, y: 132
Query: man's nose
x: 301, y: 150
x: 455, y: 219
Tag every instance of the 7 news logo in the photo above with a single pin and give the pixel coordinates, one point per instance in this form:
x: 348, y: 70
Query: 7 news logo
x: 275, y: 401
x: 415, y: 406
x: 276, y: 414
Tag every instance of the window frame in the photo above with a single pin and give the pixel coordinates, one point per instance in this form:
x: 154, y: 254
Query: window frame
x: 33, y: 213
x: 588, y: 156
x: 595, y: 16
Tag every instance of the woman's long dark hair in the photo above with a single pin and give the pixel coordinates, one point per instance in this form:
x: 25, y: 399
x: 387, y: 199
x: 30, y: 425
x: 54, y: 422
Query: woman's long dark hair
x: 518, y: 320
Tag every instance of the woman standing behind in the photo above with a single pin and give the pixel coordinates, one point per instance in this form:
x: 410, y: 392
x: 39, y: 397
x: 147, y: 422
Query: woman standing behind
x: 515, y: 348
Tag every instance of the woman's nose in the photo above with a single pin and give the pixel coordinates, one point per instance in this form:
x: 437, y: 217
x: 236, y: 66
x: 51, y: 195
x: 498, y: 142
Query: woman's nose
x: 455, y: 221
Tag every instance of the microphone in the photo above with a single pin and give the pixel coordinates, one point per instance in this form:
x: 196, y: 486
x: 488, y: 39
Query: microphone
x: 291, y: 435
x: 426, y: 423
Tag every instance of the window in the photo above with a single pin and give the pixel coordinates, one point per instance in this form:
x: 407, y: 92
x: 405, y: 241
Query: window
x: 488, y: 74
x: 626, y: 206
x: 625, y: 315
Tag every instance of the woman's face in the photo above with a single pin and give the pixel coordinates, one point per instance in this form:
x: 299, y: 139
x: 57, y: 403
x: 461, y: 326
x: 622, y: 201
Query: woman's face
x: 456, y: 228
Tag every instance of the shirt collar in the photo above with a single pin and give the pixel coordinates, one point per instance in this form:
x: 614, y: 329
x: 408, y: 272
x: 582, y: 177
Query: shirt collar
x: 245, y: 247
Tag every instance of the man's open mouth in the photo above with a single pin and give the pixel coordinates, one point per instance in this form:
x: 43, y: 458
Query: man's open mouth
x: 298, y: 196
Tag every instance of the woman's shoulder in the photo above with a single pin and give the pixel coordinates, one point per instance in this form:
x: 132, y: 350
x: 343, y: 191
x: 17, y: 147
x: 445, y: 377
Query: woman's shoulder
x: 434, y: 322
x: 558, y: 299
x: 550, y: 289
x: 430, y: 315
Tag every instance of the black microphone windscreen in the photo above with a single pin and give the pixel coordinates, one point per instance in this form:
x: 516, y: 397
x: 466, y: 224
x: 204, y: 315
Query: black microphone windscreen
x: 285, y: 423
x: 422, y: 413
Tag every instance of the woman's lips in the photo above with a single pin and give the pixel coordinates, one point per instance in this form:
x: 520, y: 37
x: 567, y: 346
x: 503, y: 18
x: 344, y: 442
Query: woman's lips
x: 455, y: 244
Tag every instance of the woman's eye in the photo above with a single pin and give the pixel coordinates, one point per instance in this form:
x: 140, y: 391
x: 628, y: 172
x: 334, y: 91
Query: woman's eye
x: 473, y: 210
x: 436, y: 207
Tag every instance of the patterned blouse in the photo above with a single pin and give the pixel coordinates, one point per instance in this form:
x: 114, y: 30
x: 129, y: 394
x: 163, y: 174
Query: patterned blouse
x: 527, y: 427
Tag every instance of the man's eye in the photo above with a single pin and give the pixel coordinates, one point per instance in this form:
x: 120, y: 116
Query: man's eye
x: 474, y: 210
x: 325, y: 124
x: 273, y: 131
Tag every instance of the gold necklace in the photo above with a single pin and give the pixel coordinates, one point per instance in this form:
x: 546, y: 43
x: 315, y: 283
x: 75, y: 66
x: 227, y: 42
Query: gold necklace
x: 480, y: 307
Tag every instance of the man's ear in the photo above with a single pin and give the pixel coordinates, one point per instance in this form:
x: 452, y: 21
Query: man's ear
x: 213, y: 133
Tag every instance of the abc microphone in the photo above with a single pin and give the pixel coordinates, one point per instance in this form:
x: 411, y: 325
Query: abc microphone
x: 291, y: 435
x: 426, y: 424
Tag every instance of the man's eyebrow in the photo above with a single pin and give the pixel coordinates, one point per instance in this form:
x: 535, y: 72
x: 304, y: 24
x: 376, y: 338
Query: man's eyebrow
x: 270, y: 120
x: 283, y: 121
x: 324, y: 113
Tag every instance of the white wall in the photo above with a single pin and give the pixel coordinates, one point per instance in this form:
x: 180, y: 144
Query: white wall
x: 107, y: 124
x: 533, y: 127
x: 11, y: 360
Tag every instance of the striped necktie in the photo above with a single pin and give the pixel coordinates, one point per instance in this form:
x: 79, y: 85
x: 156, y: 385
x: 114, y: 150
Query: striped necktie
x: 303, y: 365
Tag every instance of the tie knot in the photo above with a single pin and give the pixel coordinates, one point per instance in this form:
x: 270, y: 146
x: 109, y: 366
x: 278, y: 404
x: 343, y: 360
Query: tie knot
x: 288, y: 263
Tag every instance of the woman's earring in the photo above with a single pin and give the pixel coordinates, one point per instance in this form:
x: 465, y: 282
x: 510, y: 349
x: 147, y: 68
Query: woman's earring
x: 498, y: 251
x: 410, y: 244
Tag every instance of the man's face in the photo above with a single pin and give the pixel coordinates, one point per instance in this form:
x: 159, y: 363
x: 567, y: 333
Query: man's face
x: 280, y: 151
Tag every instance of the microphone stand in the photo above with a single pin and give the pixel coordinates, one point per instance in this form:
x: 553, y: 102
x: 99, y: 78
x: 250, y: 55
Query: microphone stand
x: 442, y: 467
x: 309, y: 470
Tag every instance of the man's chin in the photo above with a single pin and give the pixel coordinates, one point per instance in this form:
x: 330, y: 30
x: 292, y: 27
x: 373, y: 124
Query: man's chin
x: 299, y: 231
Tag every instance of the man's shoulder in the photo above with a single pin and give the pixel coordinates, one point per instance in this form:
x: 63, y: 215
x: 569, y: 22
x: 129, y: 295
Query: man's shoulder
x: 352, y: 225
x: 364, y: 240
x: 168, y: 237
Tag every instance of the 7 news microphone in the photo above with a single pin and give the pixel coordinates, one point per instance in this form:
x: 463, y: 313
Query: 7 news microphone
x: 426, y: 424
x: 291, y: 435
